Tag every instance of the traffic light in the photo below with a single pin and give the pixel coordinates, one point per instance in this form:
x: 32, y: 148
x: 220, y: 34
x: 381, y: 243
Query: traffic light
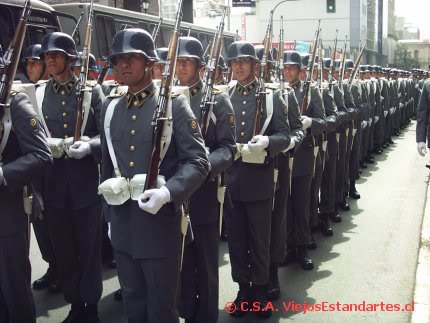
x: 331, y: 6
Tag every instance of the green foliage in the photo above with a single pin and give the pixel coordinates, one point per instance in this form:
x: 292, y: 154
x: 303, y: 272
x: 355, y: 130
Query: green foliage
x: 403, y: 59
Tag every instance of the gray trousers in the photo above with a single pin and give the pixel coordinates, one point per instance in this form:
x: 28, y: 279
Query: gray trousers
x: 279, y: 216
x: 75, y: 236
x: 340, y: 167
x: 329, y: 175
x: 314, y: 195
x: 199, y: 276
x: 298, y: 231
x: 348, y: 159
x: 249, y: 241
x: 354, y: 159
x: 149, y: 288
x: 16, y: 298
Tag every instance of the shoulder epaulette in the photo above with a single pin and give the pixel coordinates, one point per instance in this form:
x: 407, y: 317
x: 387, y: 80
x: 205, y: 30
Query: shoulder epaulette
x: 13, y: 92
x: 91, y: 83
x: 216, y: 91
x: 175, y: 95
x: 116, y: 95
x: 42, y: 82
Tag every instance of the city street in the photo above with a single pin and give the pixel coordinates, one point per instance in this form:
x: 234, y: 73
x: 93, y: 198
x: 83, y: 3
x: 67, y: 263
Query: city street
x: 372, y: 256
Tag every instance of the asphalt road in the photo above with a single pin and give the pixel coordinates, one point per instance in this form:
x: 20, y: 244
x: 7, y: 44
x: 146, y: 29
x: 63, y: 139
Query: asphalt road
x: 371, y: 258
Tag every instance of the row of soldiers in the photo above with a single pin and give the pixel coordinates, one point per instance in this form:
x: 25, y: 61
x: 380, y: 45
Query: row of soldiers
x: 282, y: 183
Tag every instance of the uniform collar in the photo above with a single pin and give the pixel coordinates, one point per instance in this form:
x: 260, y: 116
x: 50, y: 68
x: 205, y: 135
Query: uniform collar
x: 245, y: 89
x: 194, y: 89
x: 139, y: 98
x: 66, y: 86
x: 296, y: 84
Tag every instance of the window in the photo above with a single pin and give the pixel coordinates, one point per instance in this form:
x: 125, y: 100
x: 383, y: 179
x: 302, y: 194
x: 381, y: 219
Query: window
x: 331, y: 6
x: 105, y: 27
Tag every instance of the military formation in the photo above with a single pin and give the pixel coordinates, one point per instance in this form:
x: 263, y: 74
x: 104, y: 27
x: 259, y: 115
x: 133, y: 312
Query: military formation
x: 261, y: 148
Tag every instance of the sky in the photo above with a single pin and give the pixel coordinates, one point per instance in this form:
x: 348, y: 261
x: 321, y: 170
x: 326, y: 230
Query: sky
x: 416, y: 12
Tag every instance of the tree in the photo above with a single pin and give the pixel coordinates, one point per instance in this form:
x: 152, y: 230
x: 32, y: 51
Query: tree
x: 403, y: 58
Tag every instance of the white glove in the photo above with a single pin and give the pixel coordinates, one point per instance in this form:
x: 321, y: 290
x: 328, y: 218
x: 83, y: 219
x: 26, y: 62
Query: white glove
x: 385, y: 114
x: 291, y: 146
x: 376, y: 119
x: 370, y: 122
x: 422, y: 149
x: 391, y: 110
x: 307, y: 122
x: 151, y: 201
x: 79, y: 150
x: 401, y: 105
x: 363, y: 124
x: 258, y: 143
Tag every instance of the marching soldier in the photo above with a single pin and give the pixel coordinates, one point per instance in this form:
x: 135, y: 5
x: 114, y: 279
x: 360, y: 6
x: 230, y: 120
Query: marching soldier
x: 377, y: 120
x: 36, y: 71
x: 24, y: 155
x: 250, y: 180
x: 423, y: 118
x: 93, y: 68
x: 72, y: 209
x: 199, y: 276
x: 158, y: 69
x: 146, y: 234
x: 306, y: 159
x: 366, y: 117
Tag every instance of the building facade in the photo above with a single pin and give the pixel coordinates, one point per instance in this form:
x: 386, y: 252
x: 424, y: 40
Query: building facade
x: 420, y: 50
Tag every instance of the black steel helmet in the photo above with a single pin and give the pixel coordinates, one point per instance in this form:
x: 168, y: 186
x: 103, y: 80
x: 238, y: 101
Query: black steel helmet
x: 337, y: 64
x: 221, y: 62
x: 241, y: 49
x: 32, y: 52
x: 162, y: 54
x: 327, y: 63
x: 349, y: 64
x: 58, y: 42
x: 291, y: 57
x: 133, y: 41
x: 259, y: 49
x: 305, y: 59
x: 190, y: 47
x: 92, y: 64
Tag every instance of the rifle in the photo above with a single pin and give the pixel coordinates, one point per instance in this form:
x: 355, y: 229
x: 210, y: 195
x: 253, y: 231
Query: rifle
x: 159, y: 118
x: 309, y: 71
x: 260, y: 93
x: 357, y: 64
x: 281, y: 57
x: 320, y: 67
x: 208, y: 99
x: 189, y: 31
x: 342, y: 69
x: 75, y: 31
x: 103, y: 73
x: 156, y: 30
x: 11, y: 59
x: 81, y: 87
x: 330, y: 77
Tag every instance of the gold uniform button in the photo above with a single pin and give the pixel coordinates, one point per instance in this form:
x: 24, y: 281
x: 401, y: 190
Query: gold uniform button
x: 245, y: 93
x: 64, y: 114
x: 135, y: 103
x: 46, y: 117
x: 244, y: 102
x: 132, y: 148
x: 133, y: 132
x: 65, y: 126
x: 243, y: 123
x: 131, y: 164
x: 242, y: 134
x: 243, y: 113
x: 62, y: 92
x: 133, y: 117
x: 63, y: 103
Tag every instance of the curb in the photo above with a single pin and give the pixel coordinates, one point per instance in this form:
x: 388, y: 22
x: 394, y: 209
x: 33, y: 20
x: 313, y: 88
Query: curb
x: 421, y: 311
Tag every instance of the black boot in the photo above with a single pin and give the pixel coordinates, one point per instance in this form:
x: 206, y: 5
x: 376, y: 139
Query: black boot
x: 353, y: 191
x: 273, y: 291
x: 312, y: 245
x: 77, y: 313
x: 243, y: 295
x: 262, y: 299
x: 303, y: 258
x: 92, y: 314
x: 344, y: 206
x: 46, y: 280
x: 325, y: 225
x: 335, y: 216
x: 290, y: 256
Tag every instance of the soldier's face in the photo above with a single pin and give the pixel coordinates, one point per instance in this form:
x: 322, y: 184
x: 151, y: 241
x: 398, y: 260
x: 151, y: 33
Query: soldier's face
x: 243, y: 69
x: 56, y: 63
x: 325, y: 74
x: 218, y: 75
x: 157, y: 71
x: 347, y: 74
x: 35, y: 69
x: 187, y: 70
x: 132, y: 69
x: 76, y: 70
x: 336, y: 75
x: 303, y: 74
x: 291, y: 73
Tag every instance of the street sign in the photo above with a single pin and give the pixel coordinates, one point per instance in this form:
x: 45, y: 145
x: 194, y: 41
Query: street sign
x: 243, y: 3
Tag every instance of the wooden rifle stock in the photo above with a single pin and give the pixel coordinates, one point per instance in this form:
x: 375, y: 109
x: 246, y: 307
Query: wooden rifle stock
x: 83, y: 75
x: 357, y: 65
x: 11, y: 59
x: 159, y: 119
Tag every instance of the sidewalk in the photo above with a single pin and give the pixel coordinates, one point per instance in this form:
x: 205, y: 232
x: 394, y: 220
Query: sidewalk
x: 422, y: 283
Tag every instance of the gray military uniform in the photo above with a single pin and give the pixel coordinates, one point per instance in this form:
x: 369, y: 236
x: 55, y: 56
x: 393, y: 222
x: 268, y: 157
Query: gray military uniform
x: 147, y: 246
x: 423, y: 115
